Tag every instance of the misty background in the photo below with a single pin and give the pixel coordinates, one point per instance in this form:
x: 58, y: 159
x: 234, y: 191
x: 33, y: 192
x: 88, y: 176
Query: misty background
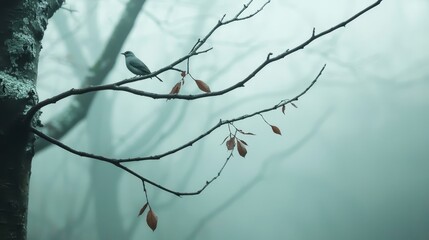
x: 352, y: 162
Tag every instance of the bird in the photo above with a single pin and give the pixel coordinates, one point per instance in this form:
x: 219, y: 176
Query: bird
x: 135, y: 65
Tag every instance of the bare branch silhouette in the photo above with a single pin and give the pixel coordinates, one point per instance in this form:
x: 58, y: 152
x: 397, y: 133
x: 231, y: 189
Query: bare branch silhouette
x: 194, y: 51
x: 118, y: 162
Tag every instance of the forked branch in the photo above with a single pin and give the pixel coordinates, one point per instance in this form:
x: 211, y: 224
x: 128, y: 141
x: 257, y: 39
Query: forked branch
x: 119, y: 86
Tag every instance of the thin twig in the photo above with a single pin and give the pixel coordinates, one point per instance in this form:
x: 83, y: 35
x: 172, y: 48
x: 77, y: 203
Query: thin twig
x: 117, y: 86
x: 194, y: 52
x: 177, y: 149
x: 145, y: 193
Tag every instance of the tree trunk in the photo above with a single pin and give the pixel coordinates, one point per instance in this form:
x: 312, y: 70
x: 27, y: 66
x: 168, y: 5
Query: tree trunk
x: 22, y: 24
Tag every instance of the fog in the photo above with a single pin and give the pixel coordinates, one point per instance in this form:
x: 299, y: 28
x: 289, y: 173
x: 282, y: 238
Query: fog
x: 351, y: 162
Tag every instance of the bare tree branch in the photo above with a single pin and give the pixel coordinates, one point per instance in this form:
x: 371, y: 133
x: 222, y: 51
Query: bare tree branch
x: 186, y: 145
x: 126, y: 169
x: 194, y: 51
x: 119, y: 162
x: 275, y: 158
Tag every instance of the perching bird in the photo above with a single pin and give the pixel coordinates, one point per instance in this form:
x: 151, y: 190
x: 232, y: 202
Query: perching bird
x: 135, y: 65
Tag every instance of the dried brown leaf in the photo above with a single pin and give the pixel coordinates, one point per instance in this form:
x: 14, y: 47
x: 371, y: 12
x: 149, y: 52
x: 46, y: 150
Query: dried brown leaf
x: 142, y: 209
x: 230, y: 144
x: 183, y: 74
x: 176, y: 88
x: 276, y: 130
x: 202, y: 86
x: 293, y: 104
x: 151, y: 219
x: 283, y: 109
x: 241, y: 149
x: 242, y: 141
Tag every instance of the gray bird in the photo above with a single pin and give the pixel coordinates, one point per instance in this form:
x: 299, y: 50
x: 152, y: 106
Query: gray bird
x: 135, y: 65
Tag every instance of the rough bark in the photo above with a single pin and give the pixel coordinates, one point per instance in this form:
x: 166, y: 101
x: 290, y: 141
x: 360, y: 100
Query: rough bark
x: 22, y: 24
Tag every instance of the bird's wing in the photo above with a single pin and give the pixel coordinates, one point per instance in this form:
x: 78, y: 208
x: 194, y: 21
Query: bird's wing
x: 139, y: 65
